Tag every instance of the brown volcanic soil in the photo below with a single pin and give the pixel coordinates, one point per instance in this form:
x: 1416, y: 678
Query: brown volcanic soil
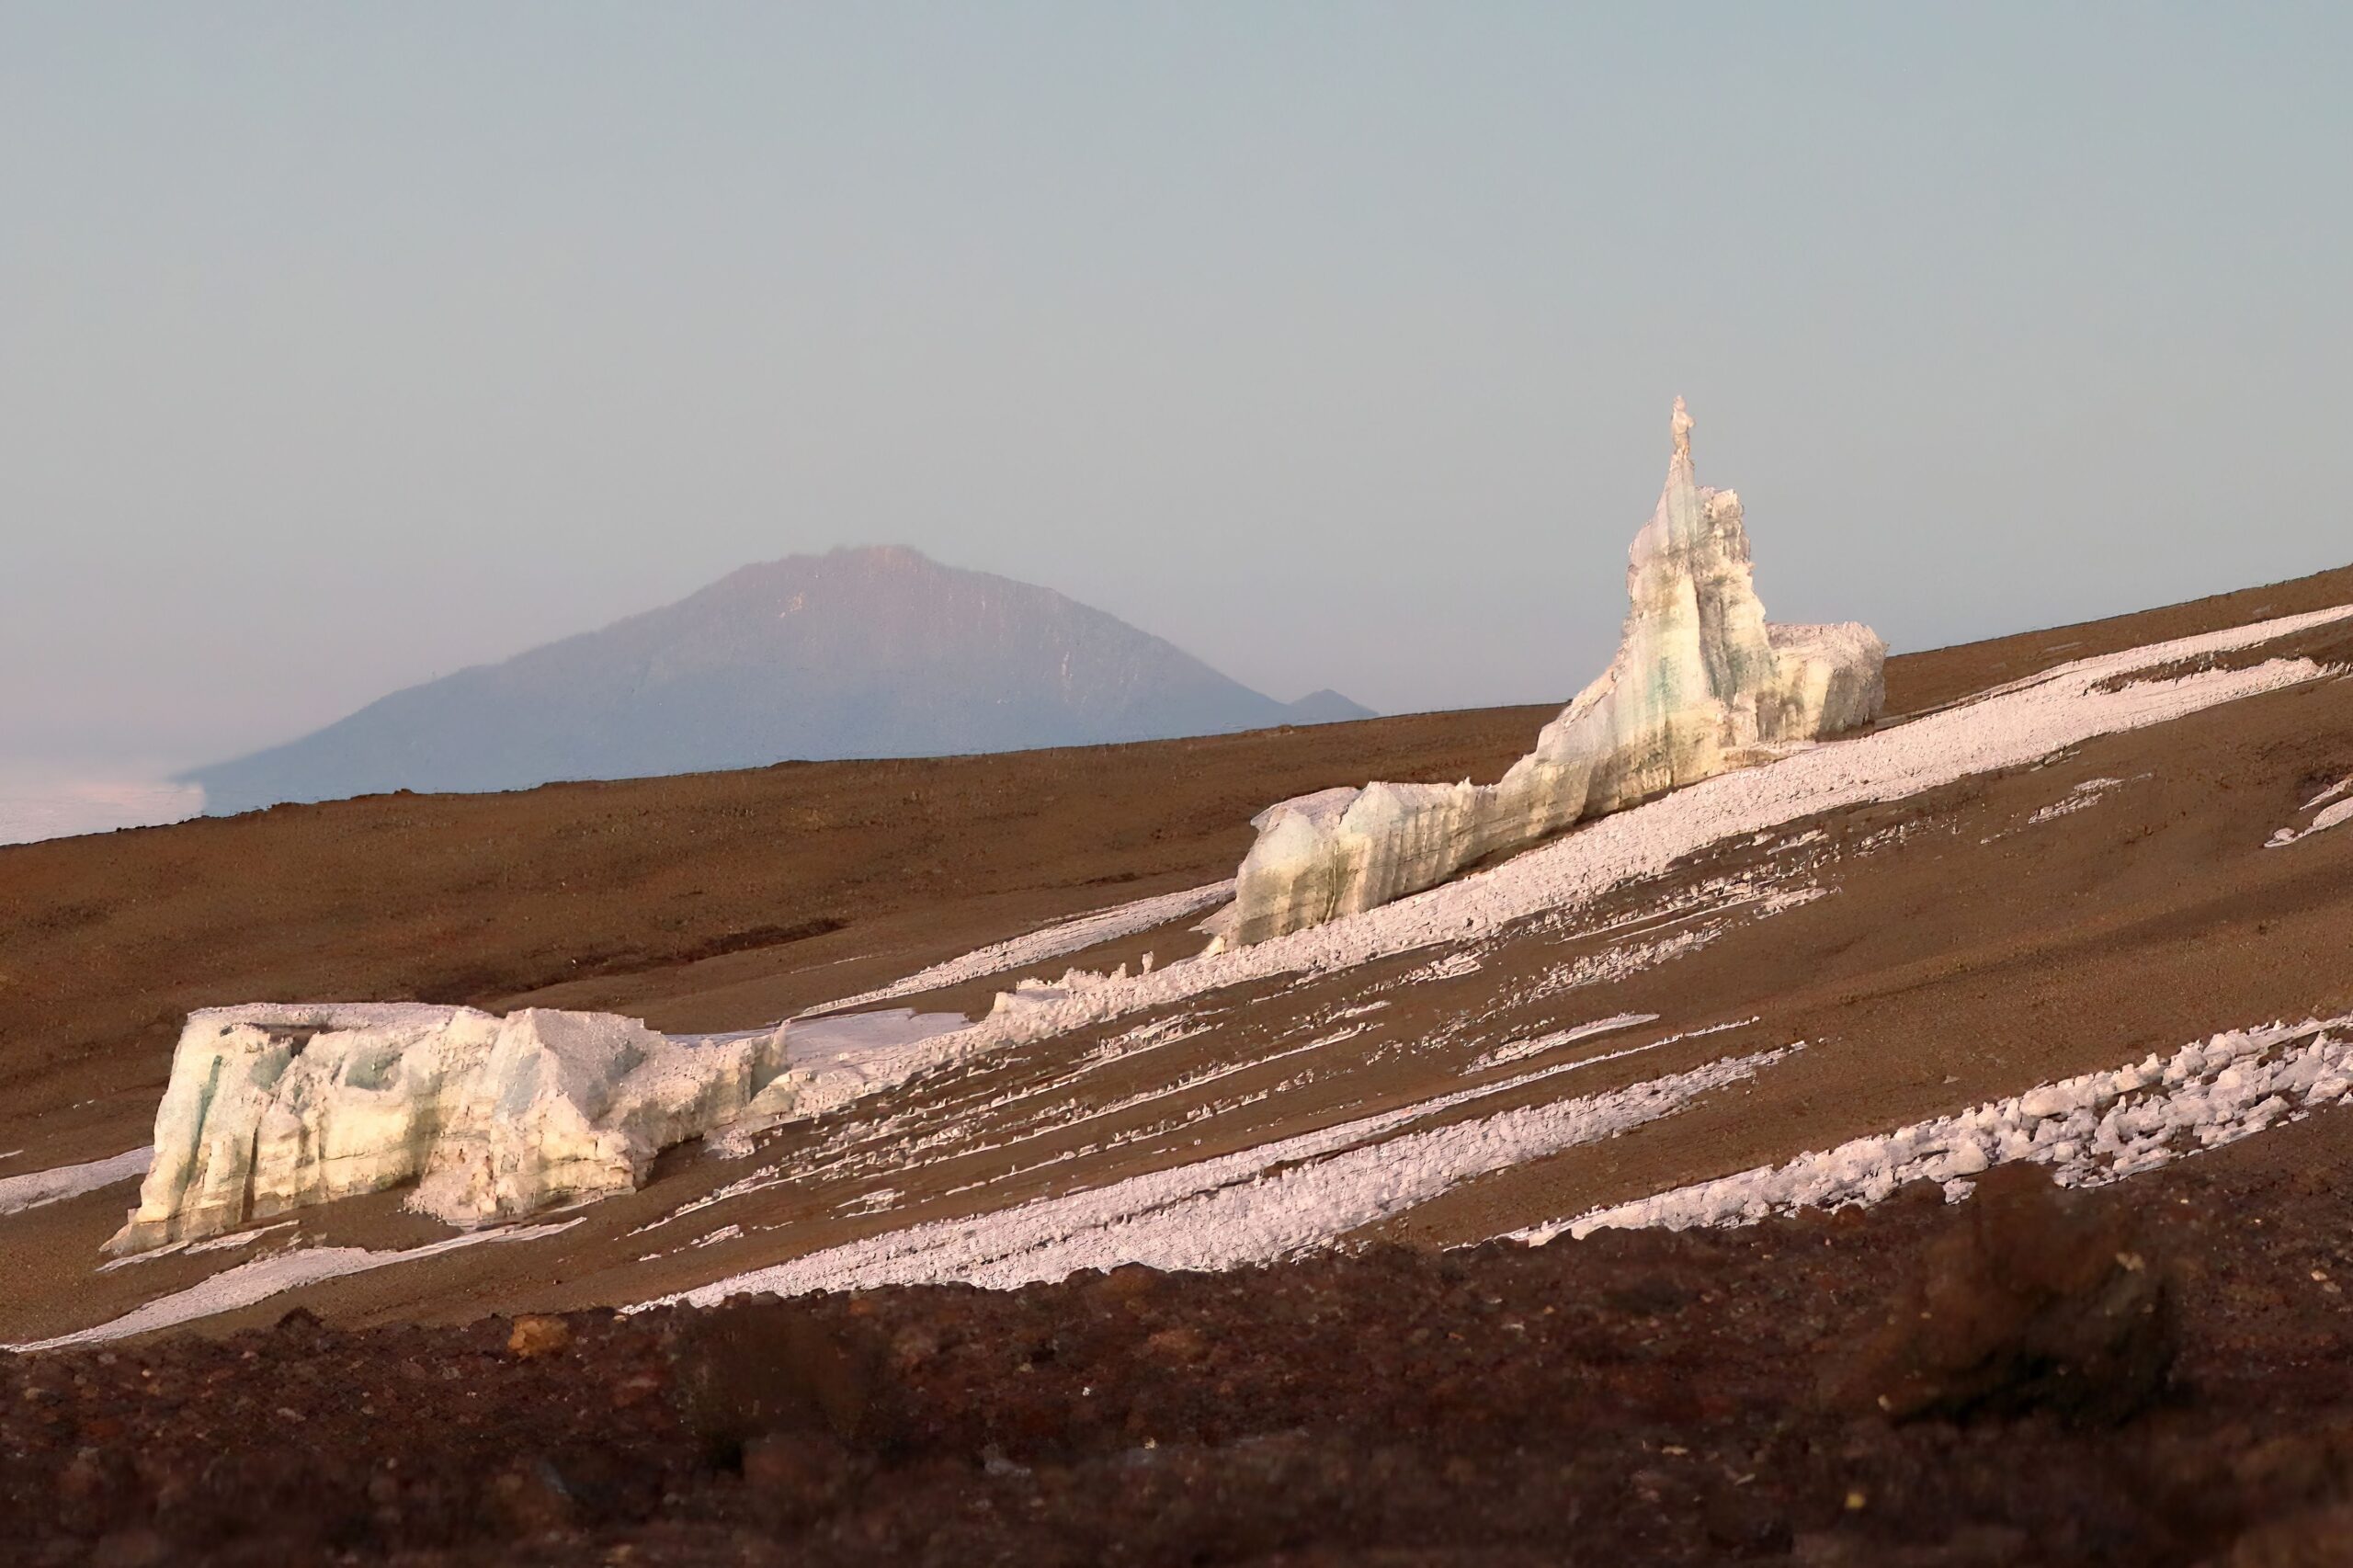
x: 1963, y: 951
x: 2181, y: 1391
x: 1918, y: 682
x: 708, y: 901
x: 1960, y: 951
x: 1627, y: 1398
x: 776, y: 889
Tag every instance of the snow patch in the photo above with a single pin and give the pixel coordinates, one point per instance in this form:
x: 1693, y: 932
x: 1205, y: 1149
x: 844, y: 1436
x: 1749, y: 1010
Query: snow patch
x: 35, y: 1188
x: 1621, y: 962
x: 2085, y: 794
x: 2092, y: 1128
x: 1052, y: 942
x: 1521, y: 1049
x: 850, y: 1039
x: 1452, y: 966
x: 215, y: 1243
x: 1264, y: 1203
x: 266, y: 1277
x: 2342, y: 811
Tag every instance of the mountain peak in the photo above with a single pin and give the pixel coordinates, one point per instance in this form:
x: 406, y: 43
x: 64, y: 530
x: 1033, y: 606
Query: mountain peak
x: 862, y: 652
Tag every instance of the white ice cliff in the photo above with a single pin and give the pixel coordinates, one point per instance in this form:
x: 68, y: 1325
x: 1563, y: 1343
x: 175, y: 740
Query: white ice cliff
x: 1700, y: 685
x: 276, y: 1106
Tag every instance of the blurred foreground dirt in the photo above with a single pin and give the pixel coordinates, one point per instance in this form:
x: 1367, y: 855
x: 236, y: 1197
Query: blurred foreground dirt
x: 2157, y: 1372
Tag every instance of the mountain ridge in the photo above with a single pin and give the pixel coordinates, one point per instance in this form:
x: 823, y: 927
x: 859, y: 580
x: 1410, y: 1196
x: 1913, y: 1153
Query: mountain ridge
x: 872, y: 651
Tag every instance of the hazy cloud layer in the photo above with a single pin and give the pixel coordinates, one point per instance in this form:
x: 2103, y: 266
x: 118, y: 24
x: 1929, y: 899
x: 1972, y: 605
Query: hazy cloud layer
x: 51, y: 807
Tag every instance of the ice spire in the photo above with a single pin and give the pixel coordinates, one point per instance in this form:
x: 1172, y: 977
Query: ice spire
x: 1700, y: 685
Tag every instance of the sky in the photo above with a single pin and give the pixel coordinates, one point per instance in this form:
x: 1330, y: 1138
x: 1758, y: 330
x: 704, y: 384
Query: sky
x: 342, y: 346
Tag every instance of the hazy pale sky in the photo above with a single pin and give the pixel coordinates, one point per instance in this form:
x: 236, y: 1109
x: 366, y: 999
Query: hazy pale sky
x: 344, y: 345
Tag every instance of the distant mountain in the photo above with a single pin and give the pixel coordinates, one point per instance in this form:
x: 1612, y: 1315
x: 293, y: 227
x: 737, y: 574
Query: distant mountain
x: 1327, y: 706
x: 860, y: 653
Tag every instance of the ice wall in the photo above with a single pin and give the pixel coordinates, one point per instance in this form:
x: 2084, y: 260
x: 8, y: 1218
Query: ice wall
x: 1700, y: 684
x: 271, y: 1108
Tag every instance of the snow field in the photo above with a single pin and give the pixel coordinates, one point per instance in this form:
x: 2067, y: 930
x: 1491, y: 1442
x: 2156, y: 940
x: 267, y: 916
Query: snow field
x: 2096, y: 1128
x: 1263, y: 1203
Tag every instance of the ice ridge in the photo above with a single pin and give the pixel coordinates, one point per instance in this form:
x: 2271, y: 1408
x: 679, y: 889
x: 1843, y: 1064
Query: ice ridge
x: 272, y: 1107
x: 1701, y: 684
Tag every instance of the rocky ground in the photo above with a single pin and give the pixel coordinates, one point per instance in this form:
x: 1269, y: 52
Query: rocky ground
x: 2155, y: 1372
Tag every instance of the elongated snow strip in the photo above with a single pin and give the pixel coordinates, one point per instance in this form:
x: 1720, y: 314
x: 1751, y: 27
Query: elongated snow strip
x: 2096, y: 1127
x: 1241, y: 1208
x: 1519, y: 1049
x: 2333, y: 816
x: 34, y: 1188
x: 229, y: 1243
x: 266, y: 1277
x: 1037, y: 947
x: 2331, y: 793
x: 2019, y: 724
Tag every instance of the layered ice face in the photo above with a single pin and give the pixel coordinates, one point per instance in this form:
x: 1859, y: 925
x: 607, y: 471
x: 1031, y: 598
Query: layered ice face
x: 277, y: 1106
x: 1700, y: 685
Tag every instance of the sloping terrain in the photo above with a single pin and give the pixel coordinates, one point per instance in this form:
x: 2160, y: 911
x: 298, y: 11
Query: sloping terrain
x: 718, y: 900
x: 1651, y: 1002
x: 873, y: 653
x: 2078, y: 908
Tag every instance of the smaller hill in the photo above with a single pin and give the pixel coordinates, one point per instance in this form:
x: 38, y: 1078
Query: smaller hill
x: 1328, y: 707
